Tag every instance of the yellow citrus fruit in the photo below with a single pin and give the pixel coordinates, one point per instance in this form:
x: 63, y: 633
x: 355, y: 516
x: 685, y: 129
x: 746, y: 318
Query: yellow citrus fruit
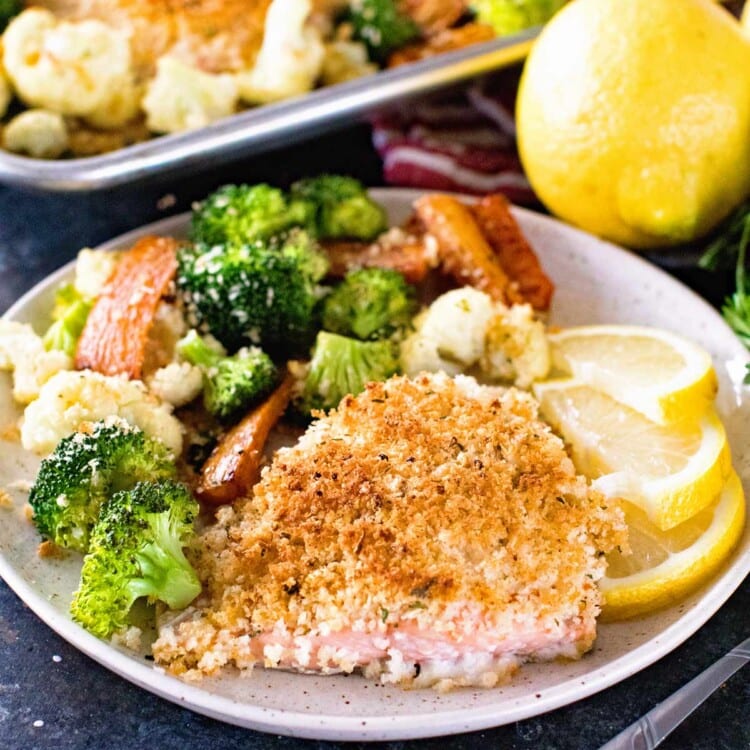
x: 669, y: 472
x: 633, y: 118
x: 664, y: 566
x: 658, y: 373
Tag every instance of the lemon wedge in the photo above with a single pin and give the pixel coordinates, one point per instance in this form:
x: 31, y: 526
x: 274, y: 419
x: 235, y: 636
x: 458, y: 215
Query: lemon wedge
x: 669, y: 473
x: 658, y: 373
x: 664, y: 566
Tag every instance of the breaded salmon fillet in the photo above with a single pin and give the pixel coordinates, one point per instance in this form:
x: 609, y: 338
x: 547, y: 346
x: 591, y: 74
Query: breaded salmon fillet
x: 214, y: 35
x: 428, y: 532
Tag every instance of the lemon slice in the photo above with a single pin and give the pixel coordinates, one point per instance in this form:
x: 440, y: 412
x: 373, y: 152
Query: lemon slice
x: 659, y: 374
x: 664, y: 566
x: 669, y: 473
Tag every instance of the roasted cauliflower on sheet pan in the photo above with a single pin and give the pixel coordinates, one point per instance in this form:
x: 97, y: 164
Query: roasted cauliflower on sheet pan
x: 101, y: 74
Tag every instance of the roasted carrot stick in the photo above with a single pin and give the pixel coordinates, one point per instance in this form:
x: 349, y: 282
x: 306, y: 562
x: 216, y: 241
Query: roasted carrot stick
x: 234, y: 466
x: 463, y: 251
x: 409, y: 258
x: 114, y: 338
x: 446, y: 40
x: 516, y: 256
x: 433, y: 16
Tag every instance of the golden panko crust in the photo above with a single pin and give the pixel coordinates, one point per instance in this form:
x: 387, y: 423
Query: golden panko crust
x: 410, y: 504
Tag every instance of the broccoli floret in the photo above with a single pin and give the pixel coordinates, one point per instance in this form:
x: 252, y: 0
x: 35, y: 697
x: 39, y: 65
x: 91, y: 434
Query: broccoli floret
x: 264, y: 294
x: 371, y: 303
x: 69, y: 316
x: 9, y: 9
x: 243, y: 214
x: 342, y: 207
x: 300, y: 246
x: 136, y: 550
x: 341, y: 366
x: 381, y: 26
x: 87, y: 467
x: 230, y: 384
x: 512, y: 16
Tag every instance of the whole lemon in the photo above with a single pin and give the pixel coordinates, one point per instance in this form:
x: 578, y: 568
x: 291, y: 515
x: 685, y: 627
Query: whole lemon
x: 633, y: 118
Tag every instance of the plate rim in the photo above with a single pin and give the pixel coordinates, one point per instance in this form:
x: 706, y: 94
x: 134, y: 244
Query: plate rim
x: 367, y: 727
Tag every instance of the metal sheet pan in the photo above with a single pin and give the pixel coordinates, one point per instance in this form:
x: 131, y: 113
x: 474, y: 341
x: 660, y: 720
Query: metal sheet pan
x: 268, y: 126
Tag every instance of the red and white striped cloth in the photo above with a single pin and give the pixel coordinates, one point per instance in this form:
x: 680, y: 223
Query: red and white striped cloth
x: 464, y: 143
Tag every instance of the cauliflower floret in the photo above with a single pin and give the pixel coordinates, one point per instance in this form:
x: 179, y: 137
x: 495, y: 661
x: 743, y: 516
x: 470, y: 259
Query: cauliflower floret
x: 70, y: 398
x: 420, y: 354
x: 290, y: 58
x: 37, y: 132
x: 464, y: 330
x: 82, y: 69
x: 168, y: 328
x: 178, y: 383
x: 93, y: 268
x: 457, y: 321
x: 122, y: 106
x: 183, y: 98
x: 517, y: 348
x: 345, y: 61
x: 23, y: 353
x: 450, y: 334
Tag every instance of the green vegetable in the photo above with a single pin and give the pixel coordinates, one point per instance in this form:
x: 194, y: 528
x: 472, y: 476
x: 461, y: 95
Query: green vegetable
x: 230, y: 384
x: 341, y: 366
x: 381, y: 26
x: 84, y: 469
x: 243, y: 214
x: 342, y: 207
x: 512, y: 16
x: 722, y: 251
x: 136, y: 550
x: 264, y: 294
x: 9, y: 9
x: 736, y: 309
x: 730, y: 246
x: 69, y: 315
x: 372, y: 303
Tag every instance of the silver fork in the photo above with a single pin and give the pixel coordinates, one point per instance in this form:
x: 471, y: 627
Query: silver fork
x: 652, y: 728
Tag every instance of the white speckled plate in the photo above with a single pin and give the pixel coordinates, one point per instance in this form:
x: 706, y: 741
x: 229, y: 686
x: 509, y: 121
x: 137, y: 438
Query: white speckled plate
x: 596, y: 283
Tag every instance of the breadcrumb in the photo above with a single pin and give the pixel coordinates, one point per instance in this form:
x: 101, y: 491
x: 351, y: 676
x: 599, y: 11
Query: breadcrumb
x: 10, y: 433
x: 130, y: 638
x: 49, y: 549
x: 431, y: 522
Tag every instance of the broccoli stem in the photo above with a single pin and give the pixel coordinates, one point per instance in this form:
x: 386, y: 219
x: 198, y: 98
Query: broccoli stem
x: 166, y: 573
x: 196, y: 351
x: 64, y: 333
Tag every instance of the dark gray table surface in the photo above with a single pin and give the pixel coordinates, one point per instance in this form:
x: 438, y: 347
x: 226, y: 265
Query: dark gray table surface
x: 82, y: 705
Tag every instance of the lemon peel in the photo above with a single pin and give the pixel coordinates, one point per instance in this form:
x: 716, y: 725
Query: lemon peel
x: 669, y: 473
x: 665, y: 377
x: 663, y: 567
x: 632, y: 118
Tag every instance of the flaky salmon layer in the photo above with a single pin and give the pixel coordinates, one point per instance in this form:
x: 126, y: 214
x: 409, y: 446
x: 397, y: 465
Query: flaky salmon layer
x: 427, y: 532
x: 402, y: 653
